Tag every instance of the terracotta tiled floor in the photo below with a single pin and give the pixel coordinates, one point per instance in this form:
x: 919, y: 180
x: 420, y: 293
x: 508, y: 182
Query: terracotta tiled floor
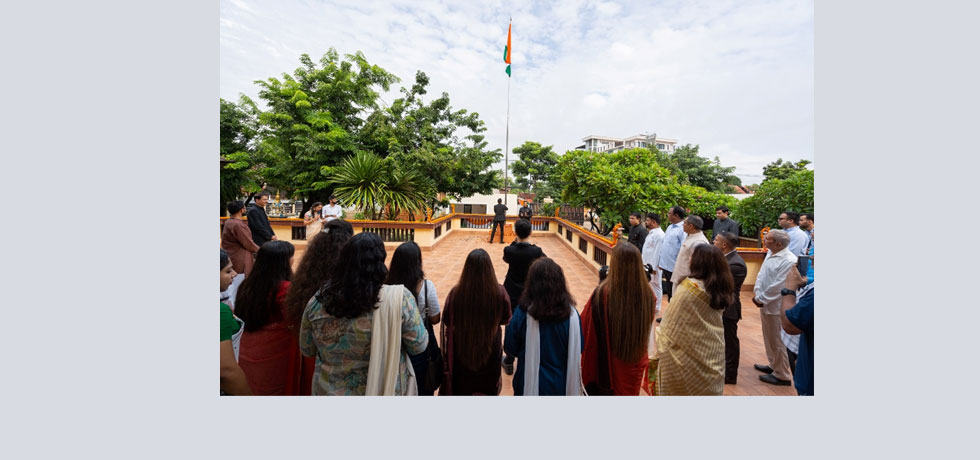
x: 444, y: 263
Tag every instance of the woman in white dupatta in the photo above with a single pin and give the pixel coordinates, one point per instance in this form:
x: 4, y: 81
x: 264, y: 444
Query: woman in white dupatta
x: 545, y: 335
x: 361, y: 330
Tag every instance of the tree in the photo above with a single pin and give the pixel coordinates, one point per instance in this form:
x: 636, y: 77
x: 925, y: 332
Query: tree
x: 615, y: 184
x: 238, y: 131
x: 696, y: 170
x: 375, y: 185
x: 425, y: 138
x: 795, y: 193
x: 780, y: 170
x: 313, y: 119
x: 534, y: 171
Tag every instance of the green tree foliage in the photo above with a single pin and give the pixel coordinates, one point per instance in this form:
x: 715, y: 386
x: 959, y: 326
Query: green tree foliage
x: 376, y: 185
x: 782, y: 170
x: 534, y: 171
x: 693, y: 169
x: 238, y: 128
x: 615, y: 184
x: 313, y: 118
x: 444, y: 147
x: 795, y: 193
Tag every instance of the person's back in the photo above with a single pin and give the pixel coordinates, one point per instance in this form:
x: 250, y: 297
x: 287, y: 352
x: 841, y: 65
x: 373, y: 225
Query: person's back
x: 499, y: 213
x: 343, y: 345
x: 519, y: 256
x: 553, y: 352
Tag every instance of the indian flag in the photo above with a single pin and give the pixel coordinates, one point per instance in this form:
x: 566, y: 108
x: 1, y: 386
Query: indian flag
x: 507, y: 51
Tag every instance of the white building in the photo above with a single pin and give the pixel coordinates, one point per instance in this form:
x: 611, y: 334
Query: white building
x: 595, y: 143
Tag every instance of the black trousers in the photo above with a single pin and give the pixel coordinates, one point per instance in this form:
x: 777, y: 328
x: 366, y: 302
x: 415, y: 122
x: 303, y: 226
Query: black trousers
x: 792, y: 361
x: 493, y: 231
x: 665, y: 283
x: 731, y: 349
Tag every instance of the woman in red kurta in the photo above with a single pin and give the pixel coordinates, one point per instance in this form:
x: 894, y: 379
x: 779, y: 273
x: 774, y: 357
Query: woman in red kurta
x: 270, y: 353
x: 616, y: 324
x: 236, y: 239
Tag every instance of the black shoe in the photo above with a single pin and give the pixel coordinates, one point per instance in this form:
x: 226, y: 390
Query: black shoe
x: 659, y: 319
x: 730, y: 382
x: 763, y: 369
x: 772, y: 380
x: 508, y: 367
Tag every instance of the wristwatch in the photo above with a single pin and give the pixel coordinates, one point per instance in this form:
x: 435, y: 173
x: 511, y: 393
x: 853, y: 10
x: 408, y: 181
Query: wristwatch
x: 788, y: 292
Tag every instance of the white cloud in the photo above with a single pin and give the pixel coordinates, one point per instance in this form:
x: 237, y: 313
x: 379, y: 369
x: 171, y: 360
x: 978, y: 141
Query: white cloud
x: 734, y: 77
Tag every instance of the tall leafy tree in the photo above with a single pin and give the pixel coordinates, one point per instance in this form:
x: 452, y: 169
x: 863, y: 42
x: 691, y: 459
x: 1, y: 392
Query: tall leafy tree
x: 238, y: 132
x: 782, y: 170
x: 313, y: 118
x: 693, y: 169
x: 615, y: 184
x: 534, y: 170
x: 375, y: 185
x: 446, y: 148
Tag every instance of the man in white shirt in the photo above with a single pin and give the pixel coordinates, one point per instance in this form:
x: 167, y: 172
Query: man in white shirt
x: 651, y: 254
x: 692, y: 226
x: 768, y: 297
x: 790, y: 222
x: 332, y: 211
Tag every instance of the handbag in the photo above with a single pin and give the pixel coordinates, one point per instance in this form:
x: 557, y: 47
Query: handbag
x: 434, y: 373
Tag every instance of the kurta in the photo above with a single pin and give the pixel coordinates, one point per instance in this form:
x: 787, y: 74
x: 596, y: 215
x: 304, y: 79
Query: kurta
x: 271, y: 359
x: 553, y: 368
x: 683, y: 266
x: 691, y: 345
x: 236, y: 240
x: 624, y: 377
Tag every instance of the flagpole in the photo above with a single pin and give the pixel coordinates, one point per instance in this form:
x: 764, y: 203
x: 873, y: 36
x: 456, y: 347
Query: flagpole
x: 507, y: 135
x: 507, y: 144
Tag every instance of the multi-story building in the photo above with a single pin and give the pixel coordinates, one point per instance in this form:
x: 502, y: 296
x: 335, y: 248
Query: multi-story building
x: 595, y: 143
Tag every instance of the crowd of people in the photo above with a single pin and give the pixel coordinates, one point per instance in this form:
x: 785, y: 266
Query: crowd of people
x: 345, y: 323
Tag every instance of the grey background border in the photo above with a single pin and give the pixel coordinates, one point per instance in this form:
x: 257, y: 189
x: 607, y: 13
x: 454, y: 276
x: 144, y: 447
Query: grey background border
x: 107, y: 336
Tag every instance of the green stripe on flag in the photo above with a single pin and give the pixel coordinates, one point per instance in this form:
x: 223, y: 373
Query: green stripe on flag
x: 508, y: 70
x: 505, y: 53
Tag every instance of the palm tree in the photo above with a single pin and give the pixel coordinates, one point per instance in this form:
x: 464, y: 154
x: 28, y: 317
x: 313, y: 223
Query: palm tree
x: 372, y: 184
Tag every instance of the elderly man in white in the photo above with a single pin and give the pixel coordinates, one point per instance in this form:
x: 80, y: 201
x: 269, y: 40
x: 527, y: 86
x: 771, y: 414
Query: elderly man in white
x: 768, y: 296
x: 692, y: 226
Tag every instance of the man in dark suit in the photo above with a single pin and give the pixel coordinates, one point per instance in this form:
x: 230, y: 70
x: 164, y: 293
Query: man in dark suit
x: 258, y: 222
x: 499, y: 217
x: 727, y: 242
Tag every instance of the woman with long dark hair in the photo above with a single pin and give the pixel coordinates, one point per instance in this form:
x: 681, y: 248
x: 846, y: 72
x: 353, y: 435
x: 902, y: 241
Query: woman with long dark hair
x: 690, y: 342
x: 315, y: 267
x: 360, y: 330
x: 270, y: 353
x: 233, y: 381
x: 475, y: 309
x: 406, y: 270
x: 616, y: 323
x: 545, y: 334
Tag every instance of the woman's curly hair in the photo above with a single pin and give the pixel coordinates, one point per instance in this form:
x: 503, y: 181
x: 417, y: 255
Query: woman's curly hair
x: 356, y: 277
x: 315, y: 267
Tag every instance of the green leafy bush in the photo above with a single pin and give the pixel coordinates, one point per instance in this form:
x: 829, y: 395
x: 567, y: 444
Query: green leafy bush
x: 795, y: 193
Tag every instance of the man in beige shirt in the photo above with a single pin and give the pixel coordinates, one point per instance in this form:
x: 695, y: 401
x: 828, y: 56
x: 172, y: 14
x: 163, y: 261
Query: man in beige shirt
x: 682, y: 268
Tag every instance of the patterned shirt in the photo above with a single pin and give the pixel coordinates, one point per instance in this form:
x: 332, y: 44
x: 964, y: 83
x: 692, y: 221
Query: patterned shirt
x: 343, y: 346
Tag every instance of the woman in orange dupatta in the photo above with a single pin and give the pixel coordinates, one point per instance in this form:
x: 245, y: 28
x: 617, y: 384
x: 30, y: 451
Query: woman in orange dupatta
x: 270, y: 354
x: 616, y: 324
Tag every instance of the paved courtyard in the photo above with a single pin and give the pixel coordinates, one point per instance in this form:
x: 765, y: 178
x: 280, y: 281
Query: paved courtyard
x: 444, y: 263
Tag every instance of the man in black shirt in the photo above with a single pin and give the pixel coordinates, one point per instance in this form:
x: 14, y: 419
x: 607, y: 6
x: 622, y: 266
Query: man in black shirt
x: 499, y: 217
x: 519, y: 256
x: 723, y: 223
x: 638, y: 233
x: 525, y: 211
x: 258, y: 222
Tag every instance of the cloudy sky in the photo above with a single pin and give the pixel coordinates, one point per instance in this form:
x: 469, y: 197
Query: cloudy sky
x: 735, y: 77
